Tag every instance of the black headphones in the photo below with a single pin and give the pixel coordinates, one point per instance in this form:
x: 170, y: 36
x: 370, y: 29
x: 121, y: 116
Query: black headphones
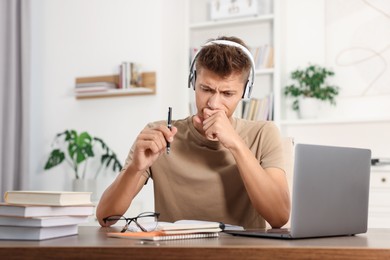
x: 249, y: 83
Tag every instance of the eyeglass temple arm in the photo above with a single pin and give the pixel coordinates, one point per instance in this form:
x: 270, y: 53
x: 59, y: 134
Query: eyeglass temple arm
x: 138, y: 225
x: 124, y: 229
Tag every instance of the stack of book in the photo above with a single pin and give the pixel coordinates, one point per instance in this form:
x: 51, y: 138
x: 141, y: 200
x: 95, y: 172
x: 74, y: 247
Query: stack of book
x: 129, y: 75
x: 263, y: 56
x: 89, y: 87
x: 39, y: 215
x: 257, y: 109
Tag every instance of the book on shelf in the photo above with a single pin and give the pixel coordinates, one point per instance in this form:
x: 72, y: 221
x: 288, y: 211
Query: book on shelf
x: 94, y: 87
x: 125, y: 75
x: 262, y: 109
x: 263, y: 56
x: 270, y: 59
x: 42, y: 221
x: 161, y: 236
x: 270, y: 106
x: 36, y: 233
x: 104, y: 84
x: 45, y: 211
x: 51, y: 198
x: 258, y: 109
x: 129, y: 75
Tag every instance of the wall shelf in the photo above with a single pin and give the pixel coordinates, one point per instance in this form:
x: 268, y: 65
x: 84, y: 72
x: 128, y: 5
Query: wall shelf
x: 138, y: 91
x: 148, y: 87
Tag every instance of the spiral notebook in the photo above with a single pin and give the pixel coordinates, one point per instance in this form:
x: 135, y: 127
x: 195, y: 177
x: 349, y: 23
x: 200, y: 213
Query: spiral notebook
x: 161, y: 236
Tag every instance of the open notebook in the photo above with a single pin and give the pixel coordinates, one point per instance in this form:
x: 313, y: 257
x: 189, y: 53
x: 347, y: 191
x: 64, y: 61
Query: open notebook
x: 184, y: 229
x: 330, y: 193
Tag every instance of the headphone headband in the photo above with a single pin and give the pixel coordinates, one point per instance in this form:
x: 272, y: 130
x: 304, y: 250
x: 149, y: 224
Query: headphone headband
x: 251, y: 78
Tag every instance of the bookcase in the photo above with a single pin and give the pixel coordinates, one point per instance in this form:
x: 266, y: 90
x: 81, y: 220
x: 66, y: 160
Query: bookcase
x: 148, y: 86
x: 257, y: 30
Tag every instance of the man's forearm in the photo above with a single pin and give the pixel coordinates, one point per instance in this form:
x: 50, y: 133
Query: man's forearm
x: 119, y: 195
x: 267, y: 189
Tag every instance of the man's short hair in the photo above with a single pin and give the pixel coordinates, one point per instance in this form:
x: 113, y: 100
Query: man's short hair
x: 224, y: 60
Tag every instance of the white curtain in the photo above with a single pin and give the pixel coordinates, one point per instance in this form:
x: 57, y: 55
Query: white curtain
x: 14, y: 94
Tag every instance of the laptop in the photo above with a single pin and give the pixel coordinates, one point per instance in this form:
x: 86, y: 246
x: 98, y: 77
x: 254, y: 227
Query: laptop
x: 330, y: 193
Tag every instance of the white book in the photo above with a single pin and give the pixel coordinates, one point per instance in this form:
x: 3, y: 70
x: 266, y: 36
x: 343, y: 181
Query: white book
x: 36, y: 233
x: 123, y: 75
x: 51, y: 198
x: 42, y: 221
x: 266, y: 56
x: 44, y: 211
x: 183, y: 227
x: 196, y: 226
x: 127, y: 74
x: 90, y: 89
x: 102, y: 84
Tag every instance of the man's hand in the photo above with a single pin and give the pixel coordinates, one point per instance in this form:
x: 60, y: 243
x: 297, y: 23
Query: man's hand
x: 217, y: 127
x: 150, y: 144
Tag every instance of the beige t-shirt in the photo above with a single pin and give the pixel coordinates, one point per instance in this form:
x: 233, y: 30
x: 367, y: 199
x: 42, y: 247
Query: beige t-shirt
x: 199, y: 179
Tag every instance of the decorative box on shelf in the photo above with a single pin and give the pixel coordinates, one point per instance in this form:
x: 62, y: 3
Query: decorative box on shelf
x: 148, y: 86
x: 228, y: 9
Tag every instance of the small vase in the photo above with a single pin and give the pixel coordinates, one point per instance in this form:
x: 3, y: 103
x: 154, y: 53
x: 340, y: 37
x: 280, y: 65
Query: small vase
x: 89, y: 185
x: 308, y: 108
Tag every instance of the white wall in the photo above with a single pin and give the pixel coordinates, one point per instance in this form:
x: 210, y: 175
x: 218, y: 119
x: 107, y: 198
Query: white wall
x: 355, y: 121
x: 311, y: 34
x: 78, y: 38
x: 302, y: 39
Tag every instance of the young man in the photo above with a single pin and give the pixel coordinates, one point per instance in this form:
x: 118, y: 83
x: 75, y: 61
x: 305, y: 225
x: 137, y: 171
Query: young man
x: 220, y: 168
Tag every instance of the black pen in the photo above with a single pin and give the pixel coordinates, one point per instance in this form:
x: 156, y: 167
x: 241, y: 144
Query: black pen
x: 170, y: 127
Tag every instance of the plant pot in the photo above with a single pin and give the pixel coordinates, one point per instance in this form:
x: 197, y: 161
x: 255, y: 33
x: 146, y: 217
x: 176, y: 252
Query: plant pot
x: 308, y: 108
x: 89, y: 185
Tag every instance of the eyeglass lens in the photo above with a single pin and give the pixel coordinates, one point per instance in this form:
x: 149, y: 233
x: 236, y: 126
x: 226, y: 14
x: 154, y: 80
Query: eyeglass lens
x: 143, y: 222
x: 146, y: 221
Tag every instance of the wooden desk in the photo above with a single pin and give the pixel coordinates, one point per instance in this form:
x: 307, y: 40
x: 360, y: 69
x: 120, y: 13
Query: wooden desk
x: 92, y: 243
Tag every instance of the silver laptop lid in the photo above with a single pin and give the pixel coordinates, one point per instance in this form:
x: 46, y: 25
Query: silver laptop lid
x: 331, y: 188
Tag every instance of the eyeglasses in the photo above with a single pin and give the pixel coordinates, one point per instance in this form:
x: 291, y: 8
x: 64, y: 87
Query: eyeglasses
x: 146, y: 221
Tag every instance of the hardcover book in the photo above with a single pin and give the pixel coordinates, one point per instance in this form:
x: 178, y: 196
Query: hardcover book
x: 42, y: 221
x: 36, y: 233
x: 51, y: 198
x: 44, y: 211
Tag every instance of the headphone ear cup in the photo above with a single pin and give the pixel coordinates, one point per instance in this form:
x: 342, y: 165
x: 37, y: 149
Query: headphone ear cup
x: 190, y: 77
x: 193, y: 79
x: 245, y: 93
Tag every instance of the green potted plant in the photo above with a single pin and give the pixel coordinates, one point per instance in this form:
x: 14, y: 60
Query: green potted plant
x: 311, y: 85
x: 76, y: 150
